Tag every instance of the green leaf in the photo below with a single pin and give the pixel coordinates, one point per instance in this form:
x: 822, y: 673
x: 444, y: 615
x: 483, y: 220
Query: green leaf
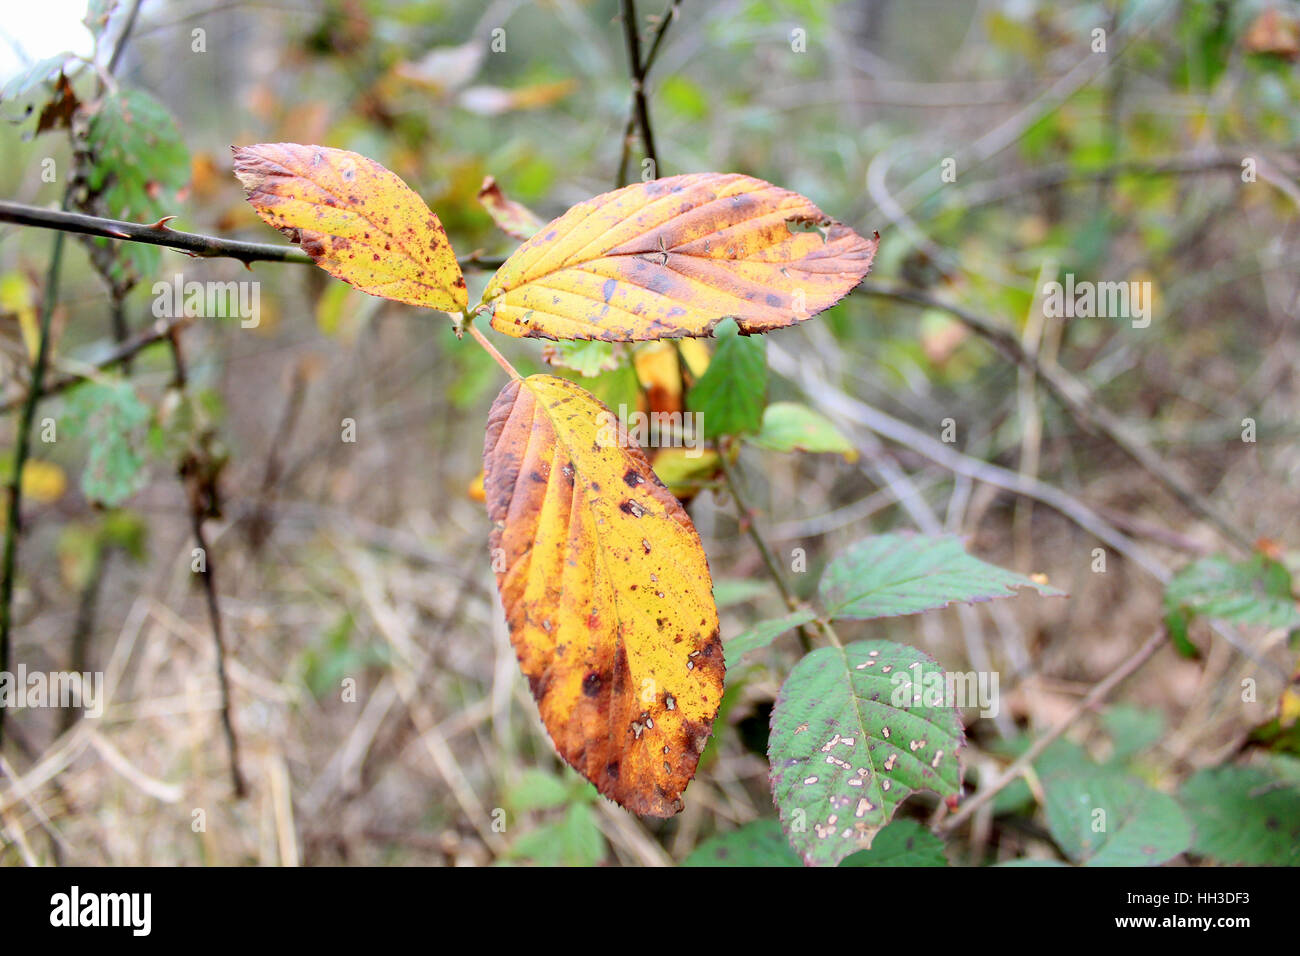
x: 762, y: 843
x: 765, y: 632
x: 536, y: 790
x: 849, y: 744
x: 97, y: 16
x: 894, y: 574
x: 588, y: 359
x: 140, y: 162
x: 1132, y: 729
x: 789, y: 426
x: 1101, y: 817
x: 1254, y: 591
x: 902, y: 843
x: 729, y: 591
x: 1244, y: 815
x: 730, y: 394
x: 36, y: 74
x: 573, y: 840
x: 759, y: 843
x: 112, y: 419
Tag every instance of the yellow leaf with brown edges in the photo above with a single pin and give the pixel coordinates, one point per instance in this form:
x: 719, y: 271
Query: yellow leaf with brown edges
x: 607, y: 592
x: 358, y: 220
x: 673, y: 257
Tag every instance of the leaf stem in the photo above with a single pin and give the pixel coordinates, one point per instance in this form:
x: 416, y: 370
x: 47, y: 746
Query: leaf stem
x: 488, y: 347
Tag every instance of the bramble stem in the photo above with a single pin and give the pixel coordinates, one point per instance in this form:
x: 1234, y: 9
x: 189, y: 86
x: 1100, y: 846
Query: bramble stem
x: 500, y: 359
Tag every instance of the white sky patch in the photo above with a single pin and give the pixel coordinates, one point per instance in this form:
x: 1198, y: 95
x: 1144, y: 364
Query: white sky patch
x: 31, y: 30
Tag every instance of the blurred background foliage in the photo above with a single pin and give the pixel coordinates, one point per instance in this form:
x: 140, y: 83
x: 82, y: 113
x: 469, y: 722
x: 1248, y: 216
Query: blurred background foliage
x: 1168, y: 157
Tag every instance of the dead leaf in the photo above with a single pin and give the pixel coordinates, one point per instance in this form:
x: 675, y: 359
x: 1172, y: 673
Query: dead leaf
x: 358, y: 220
x: 607, y: 592
x: 673, y: 257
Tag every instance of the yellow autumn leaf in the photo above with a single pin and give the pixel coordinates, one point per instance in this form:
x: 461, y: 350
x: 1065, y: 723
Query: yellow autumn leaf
x: 358, y: 220
x: 43, y: 481
x: 607, y: 592
x: 673, y: 257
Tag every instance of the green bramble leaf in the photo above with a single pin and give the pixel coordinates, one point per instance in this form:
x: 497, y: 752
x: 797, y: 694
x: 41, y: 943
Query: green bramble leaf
x: 761, y: 843
x: 730, y: 394
x: 765, y: 632
x: 1102, y: 817
x: 1244, y: 815
x: 849, y: 743
x: 1254, y: 591
x: 140, y: 163
x: 789, y: 426
x: 896, y: 574
x: 113, y: 420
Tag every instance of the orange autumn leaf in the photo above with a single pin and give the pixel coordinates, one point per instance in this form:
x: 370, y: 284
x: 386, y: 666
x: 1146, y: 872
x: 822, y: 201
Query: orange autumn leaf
x: 672, y: 257
x: 358, y: 220
x: 607, y: 592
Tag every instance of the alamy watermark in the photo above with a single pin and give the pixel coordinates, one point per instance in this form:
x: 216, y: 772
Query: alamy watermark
x: 916, y: 687
x: 1098, y: 300
x: 24, y: 689
x: 652, y: 430
x: 209, y: 300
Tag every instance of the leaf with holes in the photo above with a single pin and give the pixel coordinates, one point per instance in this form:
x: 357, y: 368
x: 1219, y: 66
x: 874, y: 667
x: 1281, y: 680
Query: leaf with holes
x: 607, y: 592
x: 850, y: 742
x: 1101, y: 817
x: 358, y: 220
x: 672, y: 257
x: 894, y: 574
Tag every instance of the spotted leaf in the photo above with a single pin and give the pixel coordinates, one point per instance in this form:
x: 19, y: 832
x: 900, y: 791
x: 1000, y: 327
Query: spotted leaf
x: 358, y: 220
x: 853, y: 735
x: 607, y: 592
x: 672, y: 257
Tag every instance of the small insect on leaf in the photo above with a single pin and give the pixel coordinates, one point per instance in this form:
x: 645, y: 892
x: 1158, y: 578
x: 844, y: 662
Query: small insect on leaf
x: 358, y: 220
x: 607, y: 592
x: 673, y: 257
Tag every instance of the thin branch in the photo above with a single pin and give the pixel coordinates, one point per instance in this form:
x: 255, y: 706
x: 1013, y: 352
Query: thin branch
x: 157, y: 332
x: 198, y: 482
x: 159, y: 234
x: 638, y: 70
x: 1094, y: 697
x: 22, y: 444
x: 1077, y: 399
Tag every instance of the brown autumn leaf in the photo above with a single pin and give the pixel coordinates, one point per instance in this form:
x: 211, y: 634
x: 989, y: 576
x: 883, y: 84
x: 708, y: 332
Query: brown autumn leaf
x: 607, y: 592
x: 358, y: 220
x: 673, y: 257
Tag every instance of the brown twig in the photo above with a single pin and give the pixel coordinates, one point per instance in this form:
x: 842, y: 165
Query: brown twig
x: 198, y: 479
x: 158, y: 332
